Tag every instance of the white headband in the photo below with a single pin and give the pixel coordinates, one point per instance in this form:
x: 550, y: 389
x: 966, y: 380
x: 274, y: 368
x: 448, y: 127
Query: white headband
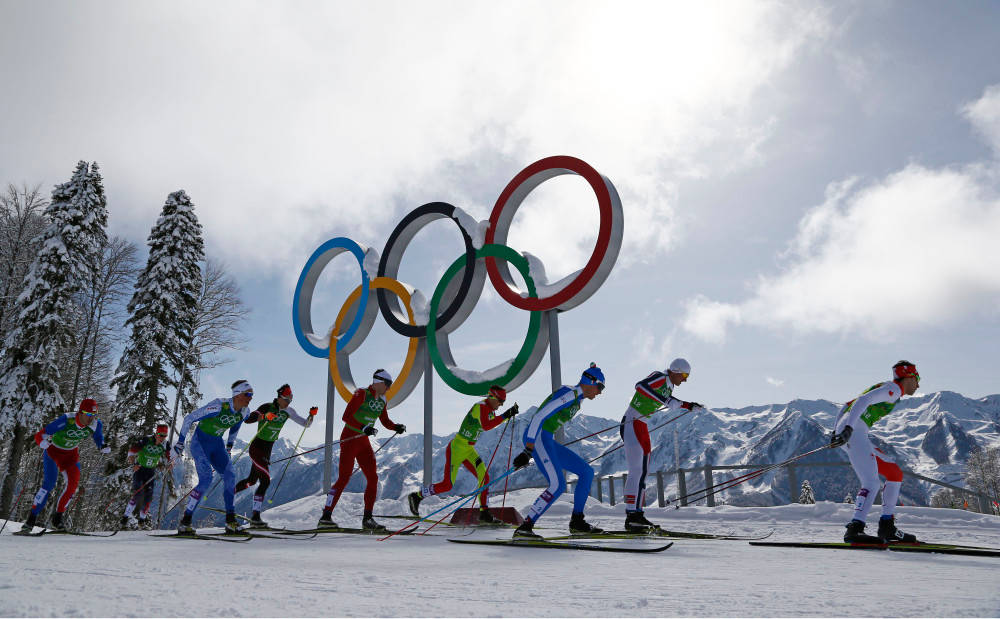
x: 242, y: 387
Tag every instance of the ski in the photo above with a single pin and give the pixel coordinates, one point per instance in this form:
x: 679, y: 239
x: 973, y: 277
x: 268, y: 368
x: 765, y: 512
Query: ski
x: 490, y: 525
x: 950, y: 549
x: 337, y: 530
x: 285, y: 537
x: 84, y: 534
x: 661, y: 534
x: 546, y: 543
x: 238, y: 539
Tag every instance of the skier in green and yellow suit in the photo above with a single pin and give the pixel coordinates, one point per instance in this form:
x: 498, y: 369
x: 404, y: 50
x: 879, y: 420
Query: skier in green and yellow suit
x: 461, y: 451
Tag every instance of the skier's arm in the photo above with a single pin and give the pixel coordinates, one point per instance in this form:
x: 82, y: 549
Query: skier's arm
x: 352, y: 407
x: 255, y: 416
x: 487, y: 418
x: 233, y: 431
x: 210, y: 409
x: 99, y: 435
x: 384, y: 419
x: 54, y: 426
x: 296, y: 417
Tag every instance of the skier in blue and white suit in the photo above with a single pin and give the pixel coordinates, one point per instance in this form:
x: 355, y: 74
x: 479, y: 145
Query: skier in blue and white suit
x: 209, y: 452
x: 552, y: 458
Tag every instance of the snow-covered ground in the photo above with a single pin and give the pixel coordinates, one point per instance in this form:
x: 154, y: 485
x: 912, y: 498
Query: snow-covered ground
x: 132, y: 574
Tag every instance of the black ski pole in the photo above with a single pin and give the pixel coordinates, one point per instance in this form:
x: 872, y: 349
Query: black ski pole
x: 282, y: 478
x: 14, y: 507
x: 620, y: 444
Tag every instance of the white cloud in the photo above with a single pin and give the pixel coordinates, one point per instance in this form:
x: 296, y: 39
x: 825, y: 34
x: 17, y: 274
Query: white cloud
x: 329, y: 118
x: 984, y: 114
x: 916, y: 248
x: 774, y: 381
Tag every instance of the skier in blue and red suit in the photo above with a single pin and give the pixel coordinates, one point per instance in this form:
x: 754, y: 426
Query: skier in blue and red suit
x: 58, y: 441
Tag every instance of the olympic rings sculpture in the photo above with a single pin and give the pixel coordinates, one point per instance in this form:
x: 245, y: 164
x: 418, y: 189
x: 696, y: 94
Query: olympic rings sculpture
x: 459, y: 289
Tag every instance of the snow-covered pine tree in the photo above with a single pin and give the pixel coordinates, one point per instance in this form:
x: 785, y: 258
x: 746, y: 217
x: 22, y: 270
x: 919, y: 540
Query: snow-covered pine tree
x: 29, y: 370
x: 806, y: 496
x: 161, y: 316
x: 161, y: 312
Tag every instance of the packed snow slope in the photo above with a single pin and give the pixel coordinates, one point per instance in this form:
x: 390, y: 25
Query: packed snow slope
x: 133, y: 574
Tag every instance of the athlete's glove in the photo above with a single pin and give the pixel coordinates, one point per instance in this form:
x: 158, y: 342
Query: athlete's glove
x: 838, y: 439
x: 522, y: 459
x: 229, y: 449
x: 399, y: 428
x: 135, y: 467
x: 179, y: 448
x: 370, y: 430
x: 270, y: 416
x: 105, y: 450
x: 44, y: 444
x: 510, y: 412
x: 691, y: 405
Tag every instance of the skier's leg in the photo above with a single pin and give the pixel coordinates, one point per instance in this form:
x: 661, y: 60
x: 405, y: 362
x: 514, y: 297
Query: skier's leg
x: 204, y: 468
x: 862, y: 456
x: 585, y: 475
x: 51, y: 471
x: 136, y: 484
x: 345, y: 468
x: 71, y: 474
x: 893, y: 482
x: 477, y: 467
x: 448, y: 479
x: 366, y: 461
x: 548, y: 463
x: 223, y: 464
x: 634, y: 455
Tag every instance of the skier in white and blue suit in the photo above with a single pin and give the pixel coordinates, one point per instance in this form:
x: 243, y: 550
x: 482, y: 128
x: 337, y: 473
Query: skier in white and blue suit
x: 209, y: 451
x: 552, y: 458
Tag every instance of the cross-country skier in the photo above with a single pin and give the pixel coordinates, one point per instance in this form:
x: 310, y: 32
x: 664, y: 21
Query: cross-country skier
x: 209, y: 451
x: 366, y: 406
x: 552, y: 458
x: 851, y: 433
x: 653, y: 393
x: 144, y: 456
x: 58, y: 441
x: 460, y: 451
x: 270, y: 418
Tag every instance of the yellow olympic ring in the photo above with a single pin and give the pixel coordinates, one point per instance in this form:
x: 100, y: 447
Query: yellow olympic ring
x: 401, y: 386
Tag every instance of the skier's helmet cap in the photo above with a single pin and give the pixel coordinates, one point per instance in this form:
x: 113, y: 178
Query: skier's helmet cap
x: 680, y: 366
x: 903, y: 369
x: 285, y: 392
x: 162, y: 429
x: 383, y: 376
x: 498, y: 392
x: 593, y: 376
x: 88, y: 407
x: 242, y: 387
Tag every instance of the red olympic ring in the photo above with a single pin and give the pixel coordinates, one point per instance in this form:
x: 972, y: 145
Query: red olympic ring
x: 609, y: 237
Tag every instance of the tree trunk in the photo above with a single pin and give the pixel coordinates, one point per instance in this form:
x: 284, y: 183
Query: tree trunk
x: 13, y: 465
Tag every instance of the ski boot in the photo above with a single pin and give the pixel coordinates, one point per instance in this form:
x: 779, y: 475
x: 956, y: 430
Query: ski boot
x: 233, y: 527
x: 635, y: 522
x: 57, y: 524
x: 889, y: 534
x: 129, y: 522
x: 485, y: 517
x: 413, y: 499
x: 184, y: 526
x: 856, y: 534
x: 368, y: 523
x: 525, y: 531
x: 578, y: 525
x: 256, y: 522
x: 326, y: 522
x: 142, y: 522
x: 28, y: 525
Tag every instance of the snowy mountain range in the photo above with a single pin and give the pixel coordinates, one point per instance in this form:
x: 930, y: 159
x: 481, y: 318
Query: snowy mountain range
x: 930, y: 434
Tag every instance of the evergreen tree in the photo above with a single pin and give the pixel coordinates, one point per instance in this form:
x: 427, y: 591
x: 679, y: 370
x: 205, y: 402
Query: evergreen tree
x: 29, y: 371
x: 806, y: 496
x: 162, y: 312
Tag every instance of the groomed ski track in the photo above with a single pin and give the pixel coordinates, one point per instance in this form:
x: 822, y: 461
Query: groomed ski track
x: 133, y: 574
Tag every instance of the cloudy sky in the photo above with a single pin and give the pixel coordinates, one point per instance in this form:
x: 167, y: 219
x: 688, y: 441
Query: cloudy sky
x: 810, y: 190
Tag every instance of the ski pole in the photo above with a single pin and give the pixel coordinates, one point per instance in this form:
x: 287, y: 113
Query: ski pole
x: 577, y: 440
x: 464, y: 496
x: 14, y: 507
x: 493, y: 455
x: 729, y: 483
x: 440, y: 520
x: 294, y: 449
x: 620, y: 444
x: 510, y: 451
x: 323, y: 446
